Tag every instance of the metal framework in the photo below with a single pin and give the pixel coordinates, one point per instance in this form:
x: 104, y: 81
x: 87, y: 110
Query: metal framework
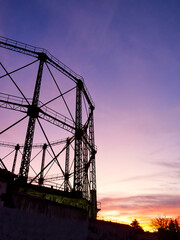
x: 66, y: 182
x: 41, y: 179
x: 33, y: 113
x: 80, y: 128
x: 17, y: 147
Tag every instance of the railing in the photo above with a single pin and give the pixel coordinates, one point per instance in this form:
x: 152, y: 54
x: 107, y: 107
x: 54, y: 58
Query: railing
x: 14, y: 99
x: 36, y: 145
x: 55, y: 114
x: 35, y: 51
x: 48, y: 114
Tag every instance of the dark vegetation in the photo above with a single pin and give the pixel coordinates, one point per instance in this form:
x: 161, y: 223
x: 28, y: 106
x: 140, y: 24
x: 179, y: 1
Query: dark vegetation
x: 136, y: 227
x: 167, y: 228
x: 164, y: 229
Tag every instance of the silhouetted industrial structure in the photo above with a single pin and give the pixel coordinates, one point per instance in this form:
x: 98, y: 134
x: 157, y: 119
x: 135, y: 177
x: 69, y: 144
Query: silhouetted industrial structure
x: 76, y: 180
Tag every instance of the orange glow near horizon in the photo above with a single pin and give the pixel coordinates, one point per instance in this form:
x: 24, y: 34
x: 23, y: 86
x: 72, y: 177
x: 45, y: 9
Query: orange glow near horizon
x: 144, y: 220
x: 143, y: 208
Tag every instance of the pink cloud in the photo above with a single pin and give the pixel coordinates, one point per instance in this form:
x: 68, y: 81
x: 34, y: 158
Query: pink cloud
x: 143, y: 205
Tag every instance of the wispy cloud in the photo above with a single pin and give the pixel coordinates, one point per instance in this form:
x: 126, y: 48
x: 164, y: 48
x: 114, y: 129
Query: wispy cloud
x: 170, y: 164
x: 143, y: 204
x: 164, y: 148
x: 143, y: 177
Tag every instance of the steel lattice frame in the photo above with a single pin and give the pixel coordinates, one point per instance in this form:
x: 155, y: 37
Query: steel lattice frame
x: 82, y: 133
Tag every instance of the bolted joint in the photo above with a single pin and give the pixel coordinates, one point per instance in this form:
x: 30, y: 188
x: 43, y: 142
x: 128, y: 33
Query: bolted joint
x: 17, y: 147
x: 68, y: 140
x: 44, y: 146
x: 41, y: 181
x: 92, y: 108
x: 79, y: 134
x: 80, y: 83
x: 66, y: 176
x: 42, y: 56
x: 33, y: 111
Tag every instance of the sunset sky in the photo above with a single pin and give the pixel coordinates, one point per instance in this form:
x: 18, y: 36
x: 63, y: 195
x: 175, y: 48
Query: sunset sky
x: 128, y: 52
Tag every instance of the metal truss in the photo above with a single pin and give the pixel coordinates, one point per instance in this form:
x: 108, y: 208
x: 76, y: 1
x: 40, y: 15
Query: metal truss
x: 33, y: 114
x: 82, y: 168
x: 36, y: 51
x: 66, y: 182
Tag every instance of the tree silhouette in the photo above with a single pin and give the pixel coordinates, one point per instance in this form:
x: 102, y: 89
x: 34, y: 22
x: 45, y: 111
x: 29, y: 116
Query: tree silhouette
x: 136, y: 227
x: 168, y: 229
x: 160, y: 223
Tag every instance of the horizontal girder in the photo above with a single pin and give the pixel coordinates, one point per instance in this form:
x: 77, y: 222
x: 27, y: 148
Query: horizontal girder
x: 35, y: 145
x: 45, y: 112
x: 18, y: 104
x: 36, y: 52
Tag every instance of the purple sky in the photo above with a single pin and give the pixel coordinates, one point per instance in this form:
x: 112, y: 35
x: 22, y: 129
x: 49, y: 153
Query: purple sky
x: 129, y: 55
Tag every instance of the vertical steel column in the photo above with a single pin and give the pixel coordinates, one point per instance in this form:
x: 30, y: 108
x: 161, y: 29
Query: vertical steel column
x: 92, y: 167
x: 17, y: 147
x: 85, y: 171
x: 66, y: 181
x: 41, y: 179
x: 93, y: 151
x: 33, y: 114
x: 78, y: 139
